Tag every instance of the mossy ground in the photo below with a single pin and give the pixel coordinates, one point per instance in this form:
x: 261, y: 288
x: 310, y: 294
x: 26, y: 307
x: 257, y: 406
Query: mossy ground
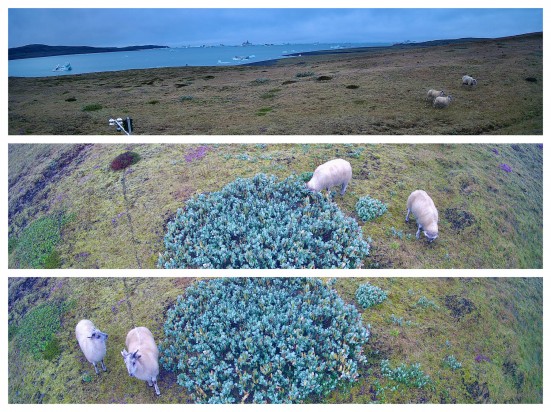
x: 498, y: 339
x: 380, y: 93
x: 488, y: 218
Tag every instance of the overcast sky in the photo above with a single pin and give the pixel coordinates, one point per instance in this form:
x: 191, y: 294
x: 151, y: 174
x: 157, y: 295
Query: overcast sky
x: 174, y: 27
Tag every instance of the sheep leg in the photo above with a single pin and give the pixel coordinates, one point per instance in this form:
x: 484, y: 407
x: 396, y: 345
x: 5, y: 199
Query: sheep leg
x: 95, y: 368
x: 157, y: 391
x: 418, y: 232
x: 103, y: 366
x: 407, y: 216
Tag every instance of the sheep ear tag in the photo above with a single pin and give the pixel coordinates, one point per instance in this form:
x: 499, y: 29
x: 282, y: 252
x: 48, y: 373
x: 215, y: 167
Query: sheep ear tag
x: 124, y: 353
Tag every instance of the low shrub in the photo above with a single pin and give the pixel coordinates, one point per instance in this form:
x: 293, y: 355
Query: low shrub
x: 263, y: 111
x: 36, y: 332
x: 92, y: 107
x: 262, y: 223
x: 35, y: 247
x: 260, y: 81
x: 124, y: 160
x: 425, y: 303
x: 262, y: 340
x: 369, y: 295
x: 368, y: 208
x: 451, y: 362
x: 305, y: 74
x: 411, y: 376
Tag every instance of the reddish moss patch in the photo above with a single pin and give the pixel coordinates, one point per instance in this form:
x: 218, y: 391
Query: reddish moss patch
x: 124, y: 160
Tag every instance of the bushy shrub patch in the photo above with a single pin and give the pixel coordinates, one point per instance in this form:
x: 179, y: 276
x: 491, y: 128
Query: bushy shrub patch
x: 36, y: 332
x: 411, y: 376
x: 262, y: 340
x: 369, y: 295
x: 262, y: 223
x: 35, y: 247
x: 368, y: 208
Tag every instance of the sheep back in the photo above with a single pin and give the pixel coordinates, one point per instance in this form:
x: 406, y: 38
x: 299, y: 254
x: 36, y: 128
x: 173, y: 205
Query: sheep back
x: 433, y: 94
x: 141, y: 339
x: 94, y: 349
x: 468, y: 80
x: 442, y: 102
x: 332, y: 173
x: 426, y: 214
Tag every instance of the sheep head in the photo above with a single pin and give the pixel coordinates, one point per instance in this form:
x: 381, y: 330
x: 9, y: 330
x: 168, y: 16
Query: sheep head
x: 131, y: 361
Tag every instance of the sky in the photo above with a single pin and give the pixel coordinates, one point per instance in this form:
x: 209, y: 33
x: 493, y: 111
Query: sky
x: 180, y: 27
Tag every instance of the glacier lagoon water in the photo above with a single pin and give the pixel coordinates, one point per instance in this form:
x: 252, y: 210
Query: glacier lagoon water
x: 171, y: 57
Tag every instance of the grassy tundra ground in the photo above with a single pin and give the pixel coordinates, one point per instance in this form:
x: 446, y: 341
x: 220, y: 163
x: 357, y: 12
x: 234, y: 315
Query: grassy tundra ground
x: 68, y: 209
x: 493, y: 327
x: 380, y: 92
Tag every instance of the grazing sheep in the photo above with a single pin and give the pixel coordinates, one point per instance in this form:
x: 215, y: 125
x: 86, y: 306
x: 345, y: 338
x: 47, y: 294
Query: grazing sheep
x: 469, y: 81
x: 145, y: 364
x: 92, y: 342
x: 422, y: 206
x: 433, y: 94
x: 442, y: 102
x: 332, y: 173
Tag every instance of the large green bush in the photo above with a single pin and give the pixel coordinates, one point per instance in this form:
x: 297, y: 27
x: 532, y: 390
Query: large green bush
x: 262, y: 340
x: 263, y: 223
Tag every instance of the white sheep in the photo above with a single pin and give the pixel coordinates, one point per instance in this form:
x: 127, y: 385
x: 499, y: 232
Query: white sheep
x: 332, y: 173
x: 145, y: 364
x: 433, y: 94
x: 92, y: 342
x: 422, y: 206
x: 441, y: 102
x: 469, y: 81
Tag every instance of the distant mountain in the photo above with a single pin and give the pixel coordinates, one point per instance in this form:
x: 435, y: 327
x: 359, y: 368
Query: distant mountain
x: 43, y: 50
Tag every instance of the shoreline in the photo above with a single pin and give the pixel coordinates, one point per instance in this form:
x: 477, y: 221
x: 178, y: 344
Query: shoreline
x: 331, y: 52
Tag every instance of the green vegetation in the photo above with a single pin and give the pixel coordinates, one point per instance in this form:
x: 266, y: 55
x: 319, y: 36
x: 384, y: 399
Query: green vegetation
x: 305, y: 74
x: 36, y: 246
x: 499, y: 342
x: 368, y: 208
x: 369, y: 295
x: 264, y: 111
x: 36, y: 334
x: 92, y: 107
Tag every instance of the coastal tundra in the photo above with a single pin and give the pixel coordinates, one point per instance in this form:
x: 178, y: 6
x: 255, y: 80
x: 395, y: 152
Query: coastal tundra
x: 442, y: 102
x: 332, y: 173
x: 426, y: 215
x: 469, y: 81
x: 92, y: 342
x: 145, y: 364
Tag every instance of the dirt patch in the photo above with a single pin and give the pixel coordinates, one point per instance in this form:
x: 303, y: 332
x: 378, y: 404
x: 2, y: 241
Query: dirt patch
x: 459, y: 306
x: 479, y: 392
x: 459, y: 219
x: 52, y: 173
x: 511, y: 369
